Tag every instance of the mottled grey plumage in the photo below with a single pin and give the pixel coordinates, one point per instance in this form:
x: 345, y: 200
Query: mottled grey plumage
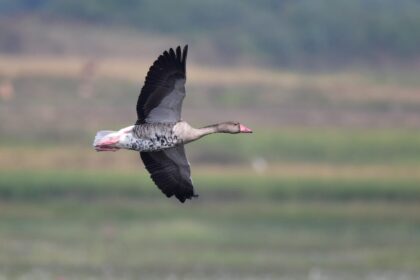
x: 150, y: 137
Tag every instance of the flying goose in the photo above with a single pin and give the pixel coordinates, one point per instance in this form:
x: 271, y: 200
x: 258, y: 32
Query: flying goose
x: 159, y: 133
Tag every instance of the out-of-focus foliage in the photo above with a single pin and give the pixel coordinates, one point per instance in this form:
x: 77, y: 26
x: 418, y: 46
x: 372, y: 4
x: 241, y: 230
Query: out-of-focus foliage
x: 292, y: 33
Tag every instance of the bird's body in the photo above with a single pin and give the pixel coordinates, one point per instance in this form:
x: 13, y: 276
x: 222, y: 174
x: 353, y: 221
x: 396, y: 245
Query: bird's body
x: 159, y: 134
x: 141, y: 138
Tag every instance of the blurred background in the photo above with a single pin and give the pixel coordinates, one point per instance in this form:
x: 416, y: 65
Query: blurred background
x: 327, y: 187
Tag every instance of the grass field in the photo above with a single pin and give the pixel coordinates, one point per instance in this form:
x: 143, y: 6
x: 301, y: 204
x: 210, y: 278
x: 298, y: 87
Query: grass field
x: 129, y: 238
x: 328, y: 186
x: 302, y: 221
x: 25, y: 184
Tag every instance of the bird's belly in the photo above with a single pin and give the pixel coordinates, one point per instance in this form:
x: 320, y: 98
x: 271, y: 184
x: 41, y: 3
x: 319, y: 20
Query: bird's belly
x: 153, y: 144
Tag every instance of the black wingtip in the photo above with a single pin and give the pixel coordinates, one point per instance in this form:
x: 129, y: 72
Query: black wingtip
x: 182, y: 197
x: 184, y: 57
x: 172, y: 53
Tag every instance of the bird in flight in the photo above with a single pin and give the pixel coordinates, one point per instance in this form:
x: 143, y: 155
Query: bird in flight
x: 159, y: 133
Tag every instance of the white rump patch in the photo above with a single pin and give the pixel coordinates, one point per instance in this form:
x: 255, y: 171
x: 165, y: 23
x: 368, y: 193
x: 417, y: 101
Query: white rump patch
x: 100, y: 135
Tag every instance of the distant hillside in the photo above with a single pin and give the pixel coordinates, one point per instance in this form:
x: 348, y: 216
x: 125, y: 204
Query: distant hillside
x: 280, y: 32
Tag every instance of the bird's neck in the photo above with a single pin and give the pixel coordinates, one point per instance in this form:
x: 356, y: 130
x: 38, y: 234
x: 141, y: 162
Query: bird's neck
x: 210, y: 129
x: 189, y: 133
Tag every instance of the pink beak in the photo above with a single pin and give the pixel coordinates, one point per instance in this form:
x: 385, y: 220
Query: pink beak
x: 244, y: 129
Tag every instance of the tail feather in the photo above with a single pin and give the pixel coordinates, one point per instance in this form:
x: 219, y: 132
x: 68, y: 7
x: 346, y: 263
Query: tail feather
x: 100, y: 135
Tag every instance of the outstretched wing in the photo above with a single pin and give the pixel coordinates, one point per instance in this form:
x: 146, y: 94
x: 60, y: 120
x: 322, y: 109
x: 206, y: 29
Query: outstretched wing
x: 170, y: 171
x: 161, y: 97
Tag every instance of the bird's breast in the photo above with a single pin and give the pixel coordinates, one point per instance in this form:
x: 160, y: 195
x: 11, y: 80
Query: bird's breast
x: 185, y: 132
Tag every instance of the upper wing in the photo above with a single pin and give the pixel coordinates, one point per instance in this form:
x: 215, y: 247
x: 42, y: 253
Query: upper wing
x: 170, y: 171
x: 161, y: 97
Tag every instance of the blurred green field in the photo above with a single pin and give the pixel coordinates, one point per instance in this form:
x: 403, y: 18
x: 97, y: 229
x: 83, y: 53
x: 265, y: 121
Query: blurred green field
x: 293, y: 145
x: 242, y: 239
x: 114, y: 224
x: 34, y: 185
x: 328, y: 186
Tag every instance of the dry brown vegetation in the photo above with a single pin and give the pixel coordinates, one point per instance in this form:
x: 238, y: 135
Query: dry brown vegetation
x: 326, y: 188
x: 271, y: 97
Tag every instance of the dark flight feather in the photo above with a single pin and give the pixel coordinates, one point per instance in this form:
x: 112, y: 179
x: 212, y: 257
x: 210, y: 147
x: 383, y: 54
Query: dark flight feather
x: 161, y: 97
x: 170, y: 171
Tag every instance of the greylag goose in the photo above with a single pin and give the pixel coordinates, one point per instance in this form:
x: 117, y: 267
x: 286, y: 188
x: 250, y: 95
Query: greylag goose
x: 159, y: 133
